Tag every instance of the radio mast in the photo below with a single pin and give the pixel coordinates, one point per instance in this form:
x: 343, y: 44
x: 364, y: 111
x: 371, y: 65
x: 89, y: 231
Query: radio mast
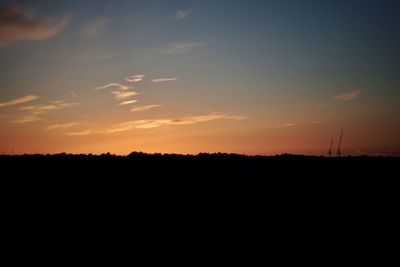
x: 339, y: 149
x: 330, y: 148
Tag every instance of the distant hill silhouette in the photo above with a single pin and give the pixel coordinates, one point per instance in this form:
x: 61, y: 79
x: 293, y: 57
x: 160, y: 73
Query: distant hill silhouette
x: 203, y: 197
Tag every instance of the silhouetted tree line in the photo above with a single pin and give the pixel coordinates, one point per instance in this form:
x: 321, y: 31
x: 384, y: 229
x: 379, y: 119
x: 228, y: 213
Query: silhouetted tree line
x: 142, y: 155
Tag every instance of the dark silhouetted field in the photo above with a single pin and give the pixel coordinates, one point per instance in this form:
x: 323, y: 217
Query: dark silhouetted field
x: 216, y: 197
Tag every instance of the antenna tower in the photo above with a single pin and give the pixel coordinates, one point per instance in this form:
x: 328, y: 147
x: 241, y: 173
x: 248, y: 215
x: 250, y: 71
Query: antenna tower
x: 330, y: 148
x: 339, y: 149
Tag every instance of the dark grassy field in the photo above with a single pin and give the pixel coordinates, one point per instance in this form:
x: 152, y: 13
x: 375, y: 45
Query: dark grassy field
x: 208, y: 197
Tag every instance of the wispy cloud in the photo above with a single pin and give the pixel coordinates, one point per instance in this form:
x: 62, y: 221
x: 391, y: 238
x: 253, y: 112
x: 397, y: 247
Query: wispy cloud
x: 135, y: 78
x: 35, y: 112
x: 348, y: 96
x: 157, y: 123
x: 20, y: 100
x: 94, y: 28
x: 122, y: 95
x: 62, y: 126
x: 54, y: 105
x: 149, y: 124
x: 122, y: 92
x: 144, y: 108
x: 161, y: 80
x: 290, y: 124
x: 127, y: 102
x: 83, y: 132
x: 182, y: 14
x: 177, y: 48
x: 73, y: 94
x: 27, y: 108
x: 27, y: 119
x: 303, y: 122
x: 188, y: 120
x: 16, y: 24
x: 114, y: 85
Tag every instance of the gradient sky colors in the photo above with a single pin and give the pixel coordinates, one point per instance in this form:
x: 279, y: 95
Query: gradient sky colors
x: 254, y: 77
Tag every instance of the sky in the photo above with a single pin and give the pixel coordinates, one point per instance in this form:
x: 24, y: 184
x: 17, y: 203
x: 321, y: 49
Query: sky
x: 190, y: 76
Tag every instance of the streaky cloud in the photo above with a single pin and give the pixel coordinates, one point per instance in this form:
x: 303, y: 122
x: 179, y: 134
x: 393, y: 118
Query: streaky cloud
x: 35, y: 112
x: 144, y: 108
x: 27, y: 119
x: 348, y: 96
x: 122, y: 95
x: 135, y: 78
x: 62, y: 126
x: 127, y: 102
x: 157, y: 123
x: 27, y: 108
x: 56, y: 102
x: 308, y: 121
x: 42, y: 109
x: 290, y: 124
x: 113, y: 85
x: 161, y: 80
x: 188, y: 120
x: 83, y: 132
x: 177, y: 48
x: 20, y: 100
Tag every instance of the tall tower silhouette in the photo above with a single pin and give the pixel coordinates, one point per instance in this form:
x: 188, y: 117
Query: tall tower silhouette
x: 339, y: 149
x: 330, y: 148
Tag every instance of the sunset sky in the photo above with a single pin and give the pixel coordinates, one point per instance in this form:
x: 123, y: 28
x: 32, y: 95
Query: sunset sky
x: 253, y: 77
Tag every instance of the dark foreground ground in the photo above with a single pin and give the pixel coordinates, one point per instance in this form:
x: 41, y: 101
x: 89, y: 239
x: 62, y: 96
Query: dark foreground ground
x: 279, y: 200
